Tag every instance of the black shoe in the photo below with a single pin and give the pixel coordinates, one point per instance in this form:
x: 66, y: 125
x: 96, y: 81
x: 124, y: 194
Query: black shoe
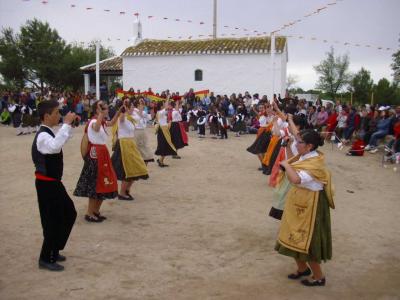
x: 260, y: 169
x: 50, y: 266
x: 126, y: 198
x: 313, y: 282
x: 298, y: 274
x: 61, y: 258
x: 99, y: 216
x: 92, y: 220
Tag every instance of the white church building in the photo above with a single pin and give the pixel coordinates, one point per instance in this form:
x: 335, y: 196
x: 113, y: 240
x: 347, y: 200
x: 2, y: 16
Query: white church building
x: 221, y: 65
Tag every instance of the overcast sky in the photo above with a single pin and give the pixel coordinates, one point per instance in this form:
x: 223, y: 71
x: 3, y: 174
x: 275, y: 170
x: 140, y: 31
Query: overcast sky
x: 364, y: 22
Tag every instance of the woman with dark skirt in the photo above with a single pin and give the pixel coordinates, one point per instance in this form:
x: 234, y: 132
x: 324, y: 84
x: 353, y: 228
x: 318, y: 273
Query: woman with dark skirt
x: 126, y: 159
x: 305, y: 231
x: 165, y: 146
x: 260, y: 145
x: 177, y: 130
x: 98, y: 180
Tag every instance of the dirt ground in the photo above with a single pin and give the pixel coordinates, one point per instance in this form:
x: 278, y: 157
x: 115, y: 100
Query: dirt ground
x: 198, y: 230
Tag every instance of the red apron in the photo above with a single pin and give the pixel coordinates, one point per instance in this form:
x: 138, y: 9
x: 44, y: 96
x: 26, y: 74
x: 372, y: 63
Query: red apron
x: 106, y: 177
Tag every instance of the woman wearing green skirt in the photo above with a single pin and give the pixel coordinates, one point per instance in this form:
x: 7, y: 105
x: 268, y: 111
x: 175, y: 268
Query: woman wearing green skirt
x: 305, y: 232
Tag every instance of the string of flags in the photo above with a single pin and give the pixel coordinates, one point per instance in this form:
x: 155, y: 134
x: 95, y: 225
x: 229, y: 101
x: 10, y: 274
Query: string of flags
x: 238, y: 31
x: 308, y: 15
x: 299, y: 37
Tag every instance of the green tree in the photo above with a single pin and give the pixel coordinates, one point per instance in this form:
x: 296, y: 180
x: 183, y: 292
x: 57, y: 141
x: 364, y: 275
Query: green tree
x: 386, y: 92
x: 396, y: 66
x: 361, y: 86
x: 40, y: 56
x: 11, y: 62
x: 333, y: 73
x: 77, y: 57
x: 43, y: 51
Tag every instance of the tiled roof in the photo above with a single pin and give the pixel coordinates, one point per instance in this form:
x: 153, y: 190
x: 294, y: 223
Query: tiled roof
x: 210, y: 46
x: 109, y: 64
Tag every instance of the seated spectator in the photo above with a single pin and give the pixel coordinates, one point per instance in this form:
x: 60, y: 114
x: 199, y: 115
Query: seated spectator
x: 342, y: 123
x: 352, y: 124
x: 382, y: 127
x: 331, y: 124
x: 322, y: 118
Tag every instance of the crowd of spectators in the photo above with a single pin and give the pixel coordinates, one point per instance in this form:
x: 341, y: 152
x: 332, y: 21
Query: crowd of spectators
x: 339, y: 122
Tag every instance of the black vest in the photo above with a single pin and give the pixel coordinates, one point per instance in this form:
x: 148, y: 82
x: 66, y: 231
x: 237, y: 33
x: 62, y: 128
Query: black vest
x: 50, y: 165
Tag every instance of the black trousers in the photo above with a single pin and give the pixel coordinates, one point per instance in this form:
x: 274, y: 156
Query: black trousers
x: 57, y: 215
x: 202, y: 129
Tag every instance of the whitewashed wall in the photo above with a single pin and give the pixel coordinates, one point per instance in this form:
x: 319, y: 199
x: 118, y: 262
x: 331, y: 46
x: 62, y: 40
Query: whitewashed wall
x: 223, y: 74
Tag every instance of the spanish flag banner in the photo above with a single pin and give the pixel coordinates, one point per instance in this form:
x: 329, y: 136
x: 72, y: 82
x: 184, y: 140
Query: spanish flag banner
x: 202, y: 94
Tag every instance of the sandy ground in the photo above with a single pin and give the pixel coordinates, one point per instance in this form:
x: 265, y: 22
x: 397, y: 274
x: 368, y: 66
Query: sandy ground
x: 197, y: 230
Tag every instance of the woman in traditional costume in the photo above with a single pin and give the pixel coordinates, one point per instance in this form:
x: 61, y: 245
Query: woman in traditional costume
x: 260, y: 145
x: 126, y: 159
x: 165, y: 146
x: 177, y: 130
x: 305, y: 232
x: 98, y: 180
x: 142, y: 117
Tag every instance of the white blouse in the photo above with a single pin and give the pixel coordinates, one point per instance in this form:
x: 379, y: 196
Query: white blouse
x: 125, y: 129
x: 162, y: 116
x: 141, y: 120
x: 263, y: 121
x: 307, y: 181
x: 100, y: 137
x: 176, y: 116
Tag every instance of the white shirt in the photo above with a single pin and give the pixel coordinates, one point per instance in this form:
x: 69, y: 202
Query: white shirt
x: 100, y: 137
x: 46, y: 144
x: 141, y: 120
x: 162, y: 117
x: 176, y: 116
x: 126, y: 129
x: 306, y: 180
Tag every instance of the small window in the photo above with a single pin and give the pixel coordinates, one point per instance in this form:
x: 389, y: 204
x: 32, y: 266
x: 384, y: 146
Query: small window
x: 198, y: 75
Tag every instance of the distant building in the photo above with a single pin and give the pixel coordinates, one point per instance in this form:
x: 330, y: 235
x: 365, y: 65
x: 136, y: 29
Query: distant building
x: 223, y: 65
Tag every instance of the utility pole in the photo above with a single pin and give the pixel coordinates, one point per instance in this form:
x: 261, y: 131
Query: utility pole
x: 272, y: 65
x: 97, y: 70
x: 215, y: 20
